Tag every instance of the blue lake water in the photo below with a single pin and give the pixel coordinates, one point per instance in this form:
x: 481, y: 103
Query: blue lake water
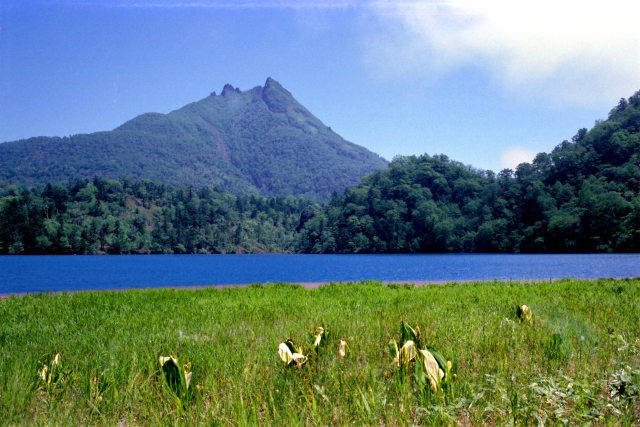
x: 20, y: 274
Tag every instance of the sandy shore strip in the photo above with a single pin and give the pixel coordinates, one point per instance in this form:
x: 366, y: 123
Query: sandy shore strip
x: 306, y: 285
x: 314, y: 285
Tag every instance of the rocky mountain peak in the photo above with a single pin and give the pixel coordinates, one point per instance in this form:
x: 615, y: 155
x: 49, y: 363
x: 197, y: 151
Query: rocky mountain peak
x: 276, y: 97
x: 228, y: 89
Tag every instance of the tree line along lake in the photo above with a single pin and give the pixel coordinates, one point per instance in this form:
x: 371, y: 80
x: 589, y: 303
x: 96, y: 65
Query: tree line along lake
x: 25, y: 274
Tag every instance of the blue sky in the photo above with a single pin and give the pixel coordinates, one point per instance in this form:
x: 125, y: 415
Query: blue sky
x: 488, y: 83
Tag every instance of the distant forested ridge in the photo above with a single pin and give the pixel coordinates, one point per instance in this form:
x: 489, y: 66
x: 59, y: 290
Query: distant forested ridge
x: 126, y: 216
x: 260, y: 141
x: 582, y: 197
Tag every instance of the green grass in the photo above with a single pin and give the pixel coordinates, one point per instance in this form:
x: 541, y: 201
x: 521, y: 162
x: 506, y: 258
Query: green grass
x: 579, y: 360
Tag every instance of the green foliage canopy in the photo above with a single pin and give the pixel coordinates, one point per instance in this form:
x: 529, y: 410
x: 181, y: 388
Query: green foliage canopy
x: 583, y: 197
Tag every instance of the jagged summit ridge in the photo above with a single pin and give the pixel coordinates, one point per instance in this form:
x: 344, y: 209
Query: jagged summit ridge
x: 229, y: 89
x: 270, y: 83
x: 277, y: 99
x: 272, y: 93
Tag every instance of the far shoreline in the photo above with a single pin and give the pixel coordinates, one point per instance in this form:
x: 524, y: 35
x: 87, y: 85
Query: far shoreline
x: 308, y: 285
x: 305, y: 285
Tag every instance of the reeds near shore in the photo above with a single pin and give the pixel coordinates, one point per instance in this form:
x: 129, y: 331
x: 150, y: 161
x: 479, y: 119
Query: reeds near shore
x: 576, y: 360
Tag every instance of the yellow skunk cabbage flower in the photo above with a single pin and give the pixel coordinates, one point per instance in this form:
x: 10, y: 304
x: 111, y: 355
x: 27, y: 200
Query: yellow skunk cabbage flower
x: 285, y: 354
x: 48, y: 373
x: 188, y: 377
x: 432, y: 369
x: 407, y: 353
x: 432, y: 373
x: 318, y: 336
x: 288, y: 356
x: 298, y: 358
x: 524, y: 313
x: 165, y: 359
x: 342, y: 349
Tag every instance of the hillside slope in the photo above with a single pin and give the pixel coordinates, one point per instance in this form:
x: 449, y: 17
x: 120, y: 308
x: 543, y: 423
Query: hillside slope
x: 584, y: 196
x: 257, y: 141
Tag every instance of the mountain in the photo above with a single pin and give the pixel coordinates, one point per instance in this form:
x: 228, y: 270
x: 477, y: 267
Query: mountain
x: 258, y: 141
x: 584, y: 196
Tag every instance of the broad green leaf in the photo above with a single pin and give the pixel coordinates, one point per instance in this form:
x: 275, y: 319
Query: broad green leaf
x: 393, y: 351
x: 410, y: 334
x: 177, y: 378
x: 407, y: 332
x: 172, y: 374
x: 393, y: 348
x: 419, y: 373
x: 292, y: 347
x: 442, y: 362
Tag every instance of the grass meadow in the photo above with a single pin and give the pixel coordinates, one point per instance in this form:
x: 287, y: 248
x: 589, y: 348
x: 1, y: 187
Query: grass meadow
x: 577, y: 361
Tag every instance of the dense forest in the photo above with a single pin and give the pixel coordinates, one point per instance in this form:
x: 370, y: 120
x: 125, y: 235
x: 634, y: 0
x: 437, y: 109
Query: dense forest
x: 584, y: 196
x: 259, y: 141
x: 125, y: 216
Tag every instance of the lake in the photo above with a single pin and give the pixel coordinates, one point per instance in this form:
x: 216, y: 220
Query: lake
x: 19, y: 274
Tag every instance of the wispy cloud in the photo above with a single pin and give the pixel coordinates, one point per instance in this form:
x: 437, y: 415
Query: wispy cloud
x: 212, y: 4
x: 572, y: 51
x: 244, y: 4
x: 511, y: 157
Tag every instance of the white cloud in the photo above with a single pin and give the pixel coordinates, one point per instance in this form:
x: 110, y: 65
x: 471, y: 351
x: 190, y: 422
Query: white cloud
x: 511, y: 157
x: 577, y: 52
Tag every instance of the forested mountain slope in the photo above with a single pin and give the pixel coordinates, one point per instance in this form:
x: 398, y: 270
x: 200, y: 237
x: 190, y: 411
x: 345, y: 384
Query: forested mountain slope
x: 584, y: 196
x: 125, y: 216
x: 259, y: 141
